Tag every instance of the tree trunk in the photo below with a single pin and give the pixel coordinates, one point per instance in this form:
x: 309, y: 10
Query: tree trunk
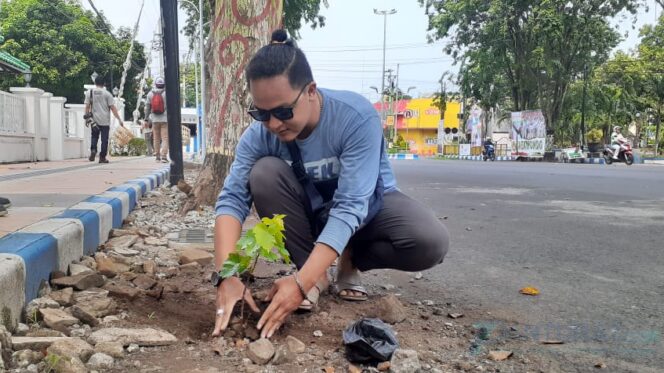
x: 240, y: 28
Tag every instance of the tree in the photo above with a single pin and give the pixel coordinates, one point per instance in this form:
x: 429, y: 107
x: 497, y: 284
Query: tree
x: 63, y: 46
x: 239, y: 29
x: 529, y: 51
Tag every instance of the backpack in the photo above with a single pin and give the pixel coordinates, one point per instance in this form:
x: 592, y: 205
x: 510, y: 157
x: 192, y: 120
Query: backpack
x: 157, y: 103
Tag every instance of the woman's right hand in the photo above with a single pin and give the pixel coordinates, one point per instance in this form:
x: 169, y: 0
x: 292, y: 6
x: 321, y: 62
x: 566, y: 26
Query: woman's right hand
x: 229, y: 293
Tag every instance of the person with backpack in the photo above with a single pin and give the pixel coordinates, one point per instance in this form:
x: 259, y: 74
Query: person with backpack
x: 318, y: 157
x: 155, y: 112
x: 5, y: 204
x: 100, y: 103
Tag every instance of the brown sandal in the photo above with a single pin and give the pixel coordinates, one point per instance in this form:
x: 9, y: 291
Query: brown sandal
x: 312, y: 296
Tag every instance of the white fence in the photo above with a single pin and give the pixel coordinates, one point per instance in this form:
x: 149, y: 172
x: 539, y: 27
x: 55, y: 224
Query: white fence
x: 35, y: 126
x: 12, y: 113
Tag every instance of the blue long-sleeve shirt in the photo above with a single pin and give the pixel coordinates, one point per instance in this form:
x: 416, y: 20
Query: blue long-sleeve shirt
x: 346, y: 144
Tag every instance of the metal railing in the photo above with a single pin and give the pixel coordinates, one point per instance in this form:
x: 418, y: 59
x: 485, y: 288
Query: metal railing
x: 12, y: 113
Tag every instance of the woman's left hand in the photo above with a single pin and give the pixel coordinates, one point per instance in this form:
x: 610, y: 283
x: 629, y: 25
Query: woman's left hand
x: 285, y: 297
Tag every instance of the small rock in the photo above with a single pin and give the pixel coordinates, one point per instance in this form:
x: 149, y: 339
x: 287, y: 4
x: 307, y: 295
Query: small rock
x: 100, y: 361
x: 80, y: 282
x: 428, y: 303
x: 144, y: 282
x: 192, y: 267
x: 455, y: 315
x: 260, y: 351
x: 122, y: 232
x: 283, y: 355
x: 98, y: 307
x: 418, y: 275
x: 72, y: 348
x: 438, y: 311
x: 143, y: 337
x: 318, y: 333
x: 122, y: 291
x: 154, y: 241
x: 156, y: 292
x: 64, y: 297
x: 33, y: 343
x: 464, y: 365
x: 469, y: 229
x: 196, y: 255
x: 89, y: 262
x: 404, y: 361
x: 126, y: 242
x: 21, y: 330
x: 354, y: 369
x: 113, y: 349
x: 77, y: 269
x: 388, y: 287
x: 295, y: 345
x: 44, y: 333
x: 85, y: 315
x: 32, y: 309
x: 149, y: 267
x: 92, y: 294
x: 133, y: 348
x: 390, y: 309
x: 109, y: 267
x: 110, y: 319
x: 328, y: 369
x: 126, y: 252
x: 23, y: 358
x: 67, y: 364
x: 57, y: 319
x: 600, y: 365
x: 384, y: 366
x: 82, y: 333
x: 499, y: 355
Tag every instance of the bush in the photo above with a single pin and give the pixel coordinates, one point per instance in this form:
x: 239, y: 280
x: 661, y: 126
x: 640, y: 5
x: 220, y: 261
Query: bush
x: 595, y: 135
x: 137, y: 146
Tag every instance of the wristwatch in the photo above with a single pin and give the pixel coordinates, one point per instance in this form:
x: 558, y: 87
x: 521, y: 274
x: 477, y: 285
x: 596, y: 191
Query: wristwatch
x: 216, y: 279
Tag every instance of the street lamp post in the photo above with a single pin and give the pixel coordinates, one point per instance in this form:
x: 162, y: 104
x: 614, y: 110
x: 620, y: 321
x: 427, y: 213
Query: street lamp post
x: 383, y: 13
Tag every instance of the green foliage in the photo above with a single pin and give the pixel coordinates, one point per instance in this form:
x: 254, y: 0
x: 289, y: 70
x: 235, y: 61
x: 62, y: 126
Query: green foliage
x: 136, y: 147
x: 595, y: 135
x: 295, y: 12
x: 523, y: 54
x: 52, y: 361
x: 259, y: 242
x: 64, y: 45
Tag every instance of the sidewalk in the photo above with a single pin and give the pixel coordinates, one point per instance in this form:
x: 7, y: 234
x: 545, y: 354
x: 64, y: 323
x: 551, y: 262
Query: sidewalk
x: 61, y: 211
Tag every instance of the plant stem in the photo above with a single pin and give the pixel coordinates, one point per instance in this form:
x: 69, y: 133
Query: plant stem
x: 244, y: 292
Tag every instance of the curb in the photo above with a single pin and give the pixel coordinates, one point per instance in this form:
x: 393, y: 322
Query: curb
x: 403, y: 156
x: 477, y: 158
x: 29, y: 255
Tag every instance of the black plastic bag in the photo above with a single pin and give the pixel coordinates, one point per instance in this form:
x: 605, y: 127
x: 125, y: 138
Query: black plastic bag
x: 369, y: 340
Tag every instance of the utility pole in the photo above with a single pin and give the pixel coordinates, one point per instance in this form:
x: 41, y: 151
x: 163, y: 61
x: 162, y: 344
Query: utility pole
x: 201, y: 50
x: 383, y: 13
x: 169, y: 16
x: 583, y: 106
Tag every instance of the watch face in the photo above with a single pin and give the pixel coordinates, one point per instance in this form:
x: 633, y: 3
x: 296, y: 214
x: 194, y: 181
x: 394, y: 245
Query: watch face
x: 215, y: 279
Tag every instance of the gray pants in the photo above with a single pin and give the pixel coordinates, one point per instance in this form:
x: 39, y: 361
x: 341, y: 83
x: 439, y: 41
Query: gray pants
x: 404, y: 235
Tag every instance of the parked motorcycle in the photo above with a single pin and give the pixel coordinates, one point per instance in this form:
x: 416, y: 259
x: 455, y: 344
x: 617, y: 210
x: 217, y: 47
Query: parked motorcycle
x: 489, y: 152
x: 624, y: 155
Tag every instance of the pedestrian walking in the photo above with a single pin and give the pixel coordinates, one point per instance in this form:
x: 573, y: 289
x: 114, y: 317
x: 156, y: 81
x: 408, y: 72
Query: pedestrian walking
x: 309, y: 145
x: 100, y: 103
x: 155, y: 112
x: 146, y: 128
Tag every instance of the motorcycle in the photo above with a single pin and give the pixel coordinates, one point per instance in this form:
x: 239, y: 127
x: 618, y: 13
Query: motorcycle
x: 624, y: 155
x: 489, y: 152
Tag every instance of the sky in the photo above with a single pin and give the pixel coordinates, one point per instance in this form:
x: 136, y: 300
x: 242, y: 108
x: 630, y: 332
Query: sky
x: 350, y: 58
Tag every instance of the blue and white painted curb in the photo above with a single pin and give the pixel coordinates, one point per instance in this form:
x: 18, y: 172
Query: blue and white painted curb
x: 403, y: 156
x: 477, y: 158
x: 29, y: 255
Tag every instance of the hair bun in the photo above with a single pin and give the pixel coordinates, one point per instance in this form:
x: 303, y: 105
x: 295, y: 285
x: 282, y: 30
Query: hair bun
x: 279, y: 36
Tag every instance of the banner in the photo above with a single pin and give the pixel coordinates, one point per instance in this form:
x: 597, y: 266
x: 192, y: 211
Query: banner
x: 441, y: 135
x: 474, y: 126
x: 528, y: 133
x: 464, y: 149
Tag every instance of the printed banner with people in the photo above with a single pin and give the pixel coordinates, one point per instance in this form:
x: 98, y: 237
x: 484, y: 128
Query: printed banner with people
x: 528, y: 133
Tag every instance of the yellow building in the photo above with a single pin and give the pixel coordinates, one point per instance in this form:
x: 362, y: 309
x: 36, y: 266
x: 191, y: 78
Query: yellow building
x: 418, y: 124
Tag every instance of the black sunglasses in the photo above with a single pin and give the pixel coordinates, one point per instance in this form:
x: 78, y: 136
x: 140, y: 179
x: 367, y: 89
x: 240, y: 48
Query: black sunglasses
x: 281, y: 113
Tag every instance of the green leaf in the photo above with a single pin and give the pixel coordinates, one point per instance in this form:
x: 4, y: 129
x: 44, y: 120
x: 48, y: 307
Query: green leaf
x: 264, y: 238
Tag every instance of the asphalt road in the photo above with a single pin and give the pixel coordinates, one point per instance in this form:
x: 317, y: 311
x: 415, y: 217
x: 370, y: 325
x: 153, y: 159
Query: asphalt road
x: 589, y: 237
